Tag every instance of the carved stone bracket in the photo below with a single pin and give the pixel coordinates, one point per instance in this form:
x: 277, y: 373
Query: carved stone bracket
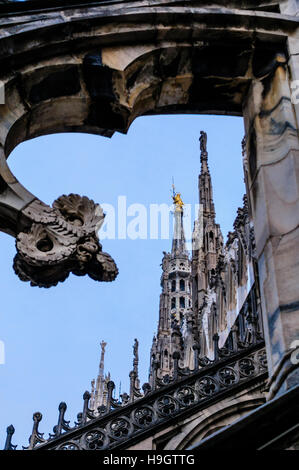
x: 60, y: 240
x: 52, y: 242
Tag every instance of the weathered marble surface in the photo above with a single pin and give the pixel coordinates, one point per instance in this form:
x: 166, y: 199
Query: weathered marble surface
x: 194, y: 428
x: 273, y: 152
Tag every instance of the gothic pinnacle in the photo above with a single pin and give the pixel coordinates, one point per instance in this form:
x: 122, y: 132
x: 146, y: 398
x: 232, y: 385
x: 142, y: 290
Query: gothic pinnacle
x: 204, y: 179
x: 203, y: 151
x: 203, y: 142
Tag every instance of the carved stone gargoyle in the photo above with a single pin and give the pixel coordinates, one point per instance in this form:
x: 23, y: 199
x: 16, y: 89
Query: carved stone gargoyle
x: 52, y: 242
x: 60, y: 240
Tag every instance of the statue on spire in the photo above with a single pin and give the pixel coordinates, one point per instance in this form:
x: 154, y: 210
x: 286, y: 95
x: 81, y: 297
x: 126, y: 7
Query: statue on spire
x: 134, y: 378
x: 135, y: 354
x: 203, y: 141
x: 103, y: 346
x: 177, y: 200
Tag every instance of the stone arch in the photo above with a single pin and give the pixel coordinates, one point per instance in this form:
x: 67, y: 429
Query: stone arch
x: 96, y: 92
x: 212, y: 420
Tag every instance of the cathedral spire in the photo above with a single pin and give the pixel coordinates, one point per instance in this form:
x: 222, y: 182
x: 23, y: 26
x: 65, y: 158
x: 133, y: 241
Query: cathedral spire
x: 207, y: 238
x: 204, y: 179
x: 98, y: 391
x: 175, y: 303
x: 178, y: 242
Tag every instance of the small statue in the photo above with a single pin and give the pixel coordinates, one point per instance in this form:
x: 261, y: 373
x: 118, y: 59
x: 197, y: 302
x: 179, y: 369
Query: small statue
x: 135, y: 352
x: 177, y: 200
x: 203, y: 141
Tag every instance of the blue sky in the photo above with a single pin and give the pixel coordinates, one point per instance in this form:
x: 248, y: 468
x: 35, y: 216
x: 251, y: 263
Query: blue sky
x: 52, y: 336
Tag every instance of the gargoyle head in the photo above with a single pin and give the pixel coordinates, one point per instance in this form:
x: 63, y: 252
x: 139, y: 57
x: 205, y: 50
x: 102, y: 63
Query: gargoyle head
x: 61, y: 240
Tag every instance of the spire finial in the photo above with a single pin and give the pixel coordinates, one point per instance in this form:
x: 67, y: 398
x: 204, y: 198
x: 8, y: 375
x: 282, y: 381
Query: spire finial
x: 136, y: 357
x: 98, y: 387
x: 203, y: 142
x: 203, y: 151
x: 101, y: 368
x: 178, y: 242
x: 10, y: 432
x: 136, y: 363
x: 176, y: 197
x: 177, y: 200
x: 204, y: 179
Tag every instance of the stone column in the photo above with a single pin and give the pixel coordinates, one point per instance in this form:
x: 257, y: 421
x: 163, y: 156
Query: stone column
x: 272, y: 137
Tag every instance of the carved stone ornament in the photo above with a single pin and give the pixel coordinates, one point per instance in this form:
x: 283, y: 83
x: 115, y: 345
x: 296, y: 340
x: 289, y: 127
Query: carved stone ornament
x: 62, y: 239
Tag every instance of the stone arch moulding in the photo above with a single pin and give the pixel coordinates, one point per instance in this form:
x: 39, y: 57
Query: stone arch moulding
x: 96, y: 69
x: 213, y: 419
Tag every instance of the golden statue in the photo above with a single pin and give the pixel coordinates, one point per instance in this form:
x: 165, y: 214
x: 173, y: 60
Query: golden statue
x: 177, y: 200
